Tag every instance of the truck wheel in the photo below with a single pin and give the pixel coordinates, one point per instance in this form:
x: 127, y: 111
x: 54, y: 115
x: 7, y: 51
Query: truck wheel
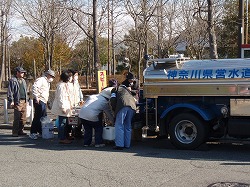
x: 187, y: 131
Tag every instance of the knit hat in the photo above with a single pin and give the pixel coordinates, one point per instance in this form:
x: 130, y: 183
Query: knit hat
x: 106, y: 92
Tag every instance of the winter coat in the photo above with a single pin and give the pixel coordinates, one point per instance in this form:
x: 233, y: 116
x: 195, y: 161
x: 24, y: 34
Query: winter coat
x: 120, y: 98
x: 76, y: 93
x: 62, y: 104
x: 40, y: 89
x: 93, y: 106
x: 13, y: 94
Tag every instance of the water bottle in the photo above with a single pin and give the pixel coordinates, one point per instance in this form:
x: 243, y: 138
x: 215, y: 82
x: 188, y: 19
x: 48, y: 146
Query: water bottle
x: 144, y: 132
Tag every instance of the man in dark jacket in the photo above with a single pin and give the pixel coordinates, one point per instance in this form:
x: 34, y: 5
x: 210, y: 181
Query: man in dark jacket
x: 124, y: 106
x: 17, y: 99
x: 132, y: 82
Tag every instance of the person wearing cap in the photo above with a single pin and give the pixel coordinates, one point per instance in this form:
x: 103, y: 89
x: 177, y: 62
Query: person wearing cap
x: 124, y: 106
x: 132, y: 83
x: 40, y: 92
x: 17, y: 99
x: 90, y: 116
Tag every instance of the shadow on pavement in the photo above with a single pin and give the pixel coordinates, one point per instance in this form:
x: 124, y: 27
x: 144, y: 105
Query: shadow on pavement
x: 148, y: 147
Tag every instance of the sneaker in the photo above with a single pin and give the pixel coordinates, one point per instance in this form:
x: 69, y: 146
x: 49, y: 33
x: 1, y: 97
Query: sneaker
x: 100, y: 145
x: 86, y: 145
x: 39, y: 135
x: 33, y: 136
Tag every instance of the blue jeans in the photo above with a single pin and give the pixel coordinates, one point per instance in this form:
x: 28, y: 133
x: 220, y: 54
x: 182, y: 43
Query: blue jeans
x: 40, y: 111
x: 123, y: 127
x: 62, y: 130
x: 88, y: 126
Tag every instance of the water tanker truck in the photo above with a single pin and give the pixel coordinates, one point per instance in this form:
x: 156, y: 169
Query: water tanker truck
x: 195, y: 101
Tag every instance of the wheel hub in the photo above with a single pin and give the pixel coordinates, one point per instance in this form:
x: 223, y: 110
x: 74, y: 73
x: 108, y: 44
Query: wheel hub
x: 189, y: 131
x: 185, y: 131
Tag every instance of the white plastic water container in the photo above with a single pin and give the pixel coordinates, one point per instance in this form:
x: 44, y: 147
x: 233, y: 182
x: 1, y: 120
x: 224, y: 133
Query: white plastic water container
x: 108, y: 133
x: 47, y: 128
x: 48, y: 131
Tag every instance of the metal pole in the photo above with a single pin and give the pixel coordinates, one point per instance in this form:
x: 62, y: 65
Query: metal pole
x: 246, y: 22
x: 9, y: 71
x: 113, y: 66
x: 108, y: 41
x: 6, y: 117
x: 240, y: 27
x: 242, y: 22
x: 156, y: 114
x: 146, y: 108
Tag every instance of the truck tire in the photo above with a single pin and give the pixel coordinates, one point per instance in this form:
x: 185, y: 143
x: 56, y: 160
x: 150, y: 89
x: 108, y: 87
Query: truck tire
x: 187, y: 131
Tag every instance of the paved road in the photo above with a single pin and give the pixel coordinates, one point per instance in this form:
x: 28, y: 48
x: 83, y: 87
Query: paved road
x: 152, y: 162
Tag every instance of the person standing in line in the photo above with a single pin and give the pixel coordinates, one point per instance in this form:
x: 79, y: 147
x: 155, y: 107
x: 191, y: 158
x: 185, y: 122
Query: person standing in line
x: 17, y: 99
x: 73, y: 102
x: 124, y: 106
x: 78, y: 96
x: 78, y: 102
x: 90, y: 116
x: 133, y: 84
x: 62, y: 107
x: 40, y: 92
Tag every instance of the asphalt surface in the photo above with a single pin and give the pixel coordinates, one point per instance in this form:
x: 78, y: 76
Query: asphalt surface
x: 151, y: 162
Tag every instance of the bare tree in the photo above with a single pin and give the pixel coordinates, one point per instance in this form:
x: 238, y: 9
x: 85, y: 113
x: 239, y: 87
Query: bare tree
x: 208, y: 7
x: 169, y: 27
x: 114, y: 16
x: 82, y: 15
x: 211, y: 30
x: 142, y: 13
x: 5, y: 6
x: 46, y: 18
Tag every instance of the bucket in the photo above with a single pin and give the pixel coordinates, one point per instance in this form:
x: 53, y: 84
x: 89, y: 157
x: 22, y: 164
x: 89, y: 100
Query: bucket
x: 108, y: 133
x: 48, y: 131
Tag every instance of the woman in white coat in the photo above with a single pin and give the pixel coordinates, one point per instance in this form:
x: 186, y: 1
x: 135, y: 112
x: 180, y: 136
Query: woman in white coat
x: 62, y: 106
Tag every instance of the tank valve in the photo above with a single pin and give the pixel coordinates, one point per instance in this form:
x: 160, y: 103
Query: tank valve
x: 224, y: 111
